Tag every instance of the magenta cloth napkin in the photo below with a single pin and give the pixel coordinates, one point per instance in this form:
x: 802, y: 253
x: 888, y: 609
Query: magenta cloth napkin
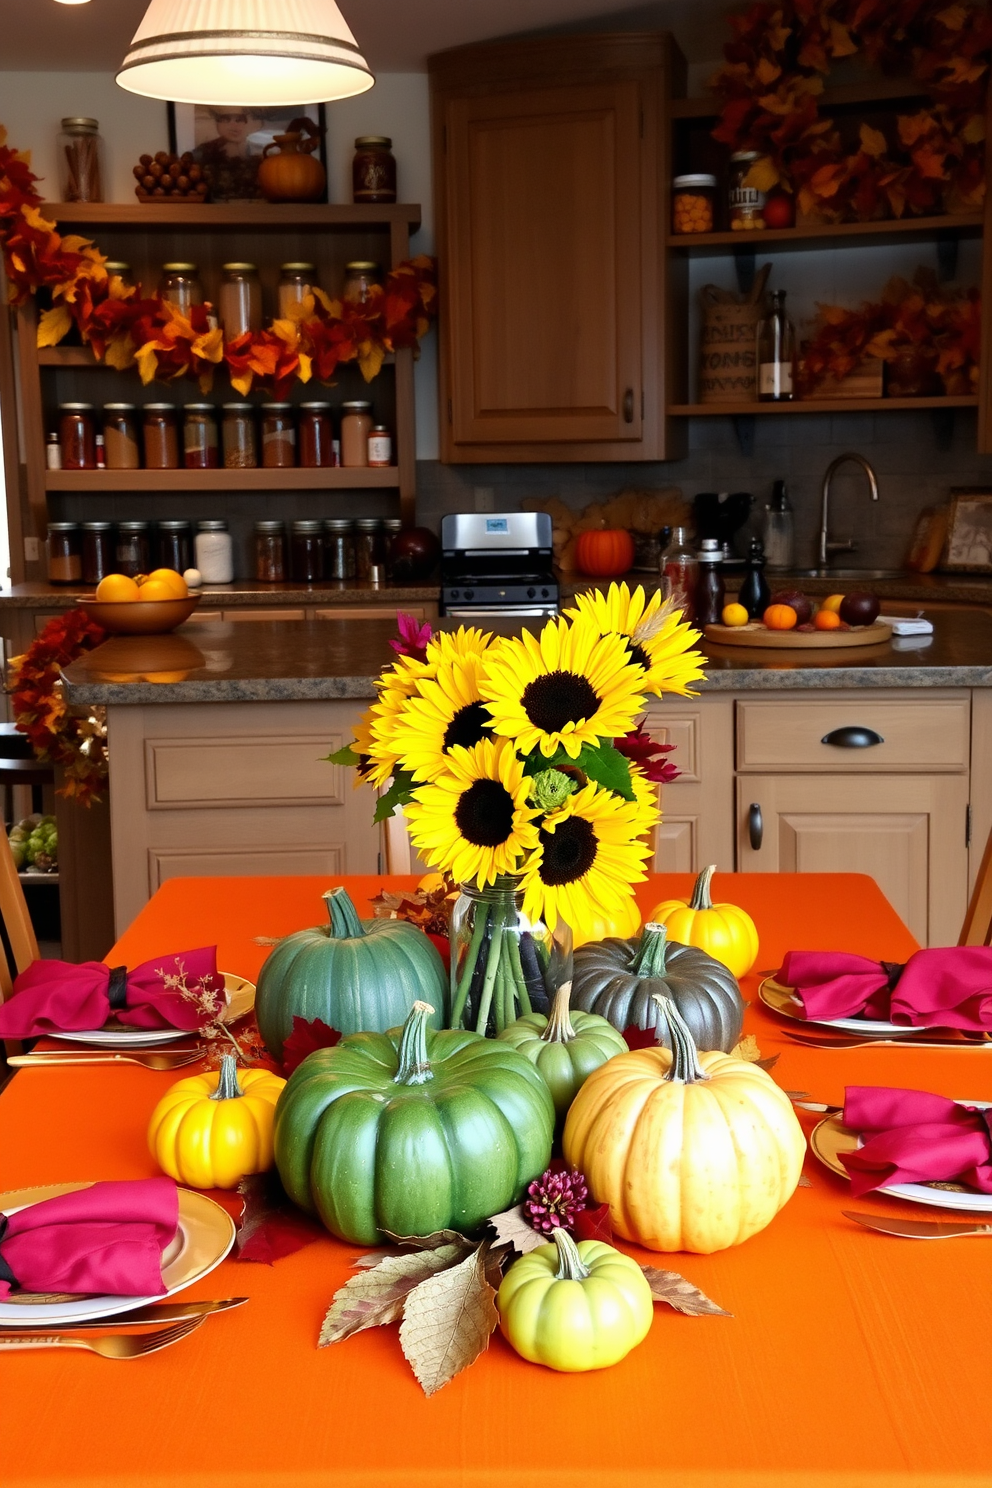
x: 59, y: 997
x: 913, y: 1137
x: 106, y: 1239
x: 949, y: 987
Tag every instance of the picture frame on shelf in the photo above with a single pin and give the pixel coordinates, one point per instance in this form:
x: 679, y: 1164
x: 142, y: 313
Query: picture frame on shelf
x: 969, y: 531
x: 231, y: 140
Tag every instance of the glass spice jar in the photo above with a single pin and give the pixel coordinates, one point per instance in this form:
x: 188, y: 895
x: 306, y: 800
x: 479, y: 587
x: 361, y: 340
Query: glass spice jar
x: 308, y: 552
x: 98, y: 551
x: 278, y: 436
x: 270, y: 552
x: 214, y: 552
x: 339, y: 548
x: 239, y: 437
x: 370, y: 550
x: 175, y: 545
x: 122, y: 450
x: 392, y: 527
x: 180, y: 285
x: 65, y: 553
x: 295, y: 280
x: 316, y: 435
x: 133, y: 551
x: 77, y: 436
x: 380, y: 446
x: 359, y: 278
x: 200, y: 437
x: 745, y: 203
x: 693, y: 204
x: 80, y: 160
x: 373, y: 169
x: 239, y: 303
x: 356, y: 425
x: 117, y: 269
x: 161, y: 437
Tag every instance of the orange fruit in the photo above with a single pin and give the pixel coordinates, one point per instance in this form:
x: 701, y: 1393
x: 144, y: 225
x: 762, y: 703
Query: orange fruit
x: 827, y: 620
x: 172, y: 580
x: 780, y: 617
x: 832, y: 603
x: 154, y: 589
x: 116, y: 587
x: 734, y: 614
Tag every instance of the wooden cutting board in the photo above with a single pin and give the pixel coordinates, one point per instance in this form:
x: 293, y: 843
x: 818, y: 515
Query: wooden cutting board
x: 756, y: 634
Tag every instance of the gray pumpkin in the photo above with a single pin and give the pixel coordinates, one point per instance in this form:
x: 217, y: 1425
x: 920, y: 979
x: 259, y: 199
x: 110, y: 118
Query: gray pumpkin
x: 619, y: 979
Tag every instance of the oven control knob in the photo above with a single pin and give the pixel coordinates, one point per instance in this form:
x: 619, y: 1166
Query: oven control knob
x: 531, y: 593
x: 454, y: 594
x: 544, y: 594
x: 469, y: 593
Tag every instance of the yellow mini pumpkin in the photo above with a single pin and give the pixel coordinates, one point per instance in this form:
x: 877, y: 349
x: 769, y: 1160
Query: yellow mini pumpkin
x: 721, y: 930
x: 212, y: 1130
x: 691, y: 1151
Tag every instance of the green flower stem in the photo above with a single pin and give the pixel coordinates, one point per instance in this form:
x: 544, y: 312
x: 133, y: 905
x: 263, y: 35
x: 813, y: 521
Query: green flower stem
x: 520, y: 981
x: 468, y: 967
x: 492, y: 966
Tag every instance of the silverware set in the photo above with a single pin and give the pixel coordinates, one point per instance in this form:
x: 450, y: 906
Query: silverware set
x: 180, y: 1320
x: 920, y: 1038
x: 158, y: 1059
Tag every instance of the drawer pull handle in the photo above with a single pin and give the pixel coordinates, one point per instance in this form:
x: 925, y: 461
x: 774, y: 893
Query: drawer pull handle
x: 628, y: 406
x: 755, y: 826
x: 852, y: 737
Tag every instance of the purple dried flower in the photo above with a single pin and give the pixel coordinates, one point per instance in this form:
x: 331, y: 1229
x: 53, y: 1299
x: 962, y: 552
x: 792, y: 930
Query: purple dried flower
x: 555, y: 1200
x: 414, y: 638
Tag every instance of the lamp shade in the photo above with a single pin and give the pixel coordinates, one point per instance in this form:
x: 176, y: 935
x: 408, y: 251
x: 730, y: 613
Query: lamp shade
x: 275, y: 52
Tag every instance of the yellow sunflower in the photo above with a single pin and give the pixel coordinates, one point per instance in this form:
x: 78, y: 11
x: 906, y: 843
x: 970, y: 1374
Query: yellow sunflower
x: 588, y: 856
x: 657, y: 636
x: 444, y: 711
x: 447, y: 644
x: 473, y: 821
x: 569, y: 686
x: 647, y: 798
x: 362, y: 744
x: 396, y: 685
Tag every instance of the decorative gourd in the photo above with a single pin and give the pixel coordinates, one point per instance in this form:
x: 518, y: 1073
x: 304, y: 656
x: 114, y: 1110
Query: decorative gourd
x: 621, y: 980
x: 566, y: 1047
x: 691, y: 1151
x: 549, y: 1320
x: 722, y: 930
x: 354, y: 975
x: 623, y: 922
x: 291, y: 174
x: 412, y: 1131
x: 212, y: 1130
x: 604, y: 552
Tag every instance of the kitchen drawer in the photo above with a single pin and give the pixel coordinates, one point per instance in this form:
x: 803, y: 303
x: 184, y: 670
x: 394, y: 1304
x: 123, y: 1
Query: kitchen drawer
x: 269, y: 770
x: 915, y: 732
x: 376, y: 612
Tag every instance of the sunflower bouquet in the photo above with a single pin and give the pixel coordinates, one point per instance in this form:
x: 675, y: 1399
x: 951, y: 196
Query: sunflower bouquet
x: 524, y: 774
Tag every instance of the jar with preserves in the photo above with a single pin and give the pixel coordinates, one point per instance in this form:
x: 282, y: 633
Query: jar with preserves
x: 240, y: 300
x: 53, y: 453
x: 308, y: 552
x: 122, y: 450
x: 270, y: 552
x: 180, y: 285
x: 370, y: 550
x: 214, y: 552
x: 380, y: 446
x: 356, y: 425
x: 295, y: 280
x: 339, y: 548
x: 316, y: 435
x: 693, y: 204
x: 239, y: 437
x: 745, y: 203
x: 161, y: 437
x: 98, y: 551
x: 360, y: 277
x: 65, y: 553
x: 133, y: 552
x: 80, y: 161
x: 77, y: 436
x: 278, y: 436
x: 175, y: 545
x: 200, y: 437
x: 117, y: 269
x: 373, y: 169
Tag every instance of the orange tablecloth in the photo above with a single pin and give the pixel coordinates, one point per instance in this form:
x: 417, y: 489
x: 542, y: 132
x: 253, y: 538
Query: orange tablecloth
x: 851, y: 1358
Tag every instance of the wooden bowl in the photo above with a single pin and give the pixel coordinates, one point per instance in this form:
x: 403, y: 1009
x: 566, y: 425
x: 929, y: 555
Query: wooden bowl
x: 140, y: 616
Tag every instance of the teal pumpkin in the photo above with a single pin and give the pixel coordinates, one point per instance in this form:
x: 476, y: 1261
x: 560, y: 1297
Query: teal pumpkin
x: 351, y: 974
x: 412, y: 1131
x: 566, y: 1047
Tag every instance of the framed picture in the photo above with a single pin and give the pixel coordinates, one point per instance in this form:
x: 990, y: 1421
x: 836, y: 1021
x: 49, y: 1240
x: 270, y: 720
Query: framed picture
x: 969, y: 531
x: 231, y: 140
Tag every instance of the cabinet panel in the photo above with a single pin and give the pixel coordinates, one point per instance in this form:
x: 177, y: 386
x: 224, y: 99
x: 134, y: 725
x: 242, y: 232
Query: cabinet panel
x: 922, y: 733
x: 244, y: 862
x: 697, y: 825
x: 266, y: 771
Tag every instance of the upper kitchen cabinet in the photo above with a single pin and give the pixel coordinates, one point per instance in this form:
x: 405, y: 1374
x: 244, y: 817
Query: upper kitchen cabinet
x: 549, y: 173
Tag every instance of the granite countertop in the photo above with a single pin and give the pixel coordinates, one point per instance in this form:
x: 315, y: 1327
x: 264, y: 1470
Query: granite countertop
x: 935, y: 588
x: 244, y: 593
x: 283, y: 661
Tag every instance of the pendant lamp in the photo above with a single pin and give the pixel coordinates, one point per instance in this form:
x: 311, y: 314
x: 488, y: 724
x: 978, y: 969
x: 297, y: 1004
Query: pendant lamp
x: 262, y: 52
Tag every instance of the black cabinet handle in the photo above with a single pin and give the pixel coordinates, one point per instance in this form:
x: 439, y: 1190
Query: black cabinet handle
x: 852, y: 737
x: 755, y: 826
x: 628, y: 406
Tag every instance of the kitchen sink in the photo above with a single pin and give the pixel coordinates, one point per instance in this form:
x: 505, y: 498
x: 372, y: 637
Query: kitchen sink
x: 847, y: 574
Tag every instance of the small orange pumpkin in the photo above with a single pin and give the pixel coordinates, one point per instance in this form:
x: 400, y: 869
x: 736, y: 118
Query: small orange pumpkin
x: 604, y: 553
x: 780, y: 617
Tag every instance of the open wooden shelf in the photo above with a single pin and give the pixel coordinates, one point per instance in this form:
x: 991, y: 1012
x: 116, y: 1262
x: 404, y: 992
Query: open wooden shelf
x: 332, y: 478
x: 248, y: 214
x: 821, y: 405
x: 82, y: 356
x: 830, y: 234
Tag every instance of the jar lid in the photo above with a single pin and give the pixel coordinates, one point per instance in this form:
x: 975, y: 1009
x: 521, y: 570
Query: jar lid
x: 275, y: 407
x: 76, y: 407
x: 338, y: 524
x: 180, y: 268
x: 699, y: 181
x: 239, y: 268
x: 318, y: 407
x: 119, y: 408
x: 270, y: 526
x: 80, y: 126
x: 746, y: 155
x: 174, y: 524
x: 238, y: 408
x: 132, y: 527
x: 379, y: 429
x: 63, y: 526
x: 308, y: 526
x: 296, y: 268
x: 361, y: 266
x: 97, y: 526
x: 117, y: 266
x: 199, y: 408
x: 211, y: 524
x: 365, y: 140
x: 357, y: 406
x: 160, y: 407
x: 393, y: 524
x: 368, y: 524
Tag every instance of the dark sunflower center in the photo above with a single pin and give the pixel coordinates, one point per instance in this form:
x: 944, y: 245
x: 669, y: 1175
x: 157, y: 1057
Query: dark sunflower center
x: 569, y: 851
x: 558, y: 698
x: 639, y: 655
x: 469, y: 725
x: 484, y: 814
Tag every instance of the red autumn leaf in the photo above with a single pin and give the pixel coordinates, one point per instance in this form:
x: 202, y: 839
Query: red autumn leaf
x: 270, y: 1227
x: 308, y: 1034
x: 443, y: 945
x: 640, y: 1038
x: 594, y: 1224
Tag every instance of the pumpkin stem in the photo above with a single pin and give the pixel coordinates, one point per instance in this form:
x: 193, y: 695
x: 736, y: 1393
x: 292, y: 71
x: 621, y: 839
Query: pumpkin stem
x: 685, y: 1068
x: 345, y: 924
x: 701, y: 898
x: 414, y: 1066
x: 559, y: 1029
x: 227, y: 1082
x: 650, y: 958
x: 571, y: 1266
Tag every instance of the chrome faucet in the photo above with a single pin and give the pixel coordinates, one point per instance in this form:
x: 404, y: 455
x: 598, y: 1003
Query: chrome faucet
x: 849, y: 546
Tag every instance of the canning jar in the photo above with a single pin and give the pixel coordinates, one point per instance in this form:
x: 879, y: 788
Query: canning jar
x: 133, y: 551
x: 80, y: 161
x: 77, y: 436
x: 278, y: 436
x: 175, y: 545
x: 240, y: 300
x: 214, y: 552
x: 161, y: 437
x: 339, y: 548
x: 117, y: 269
x: 370, y: 550
x: 295, y: 280
x: 693, y: 204
x: 65, y: 553
x: 120, y: 436
x: 270, y: 552
x: 316, y: 434
x: 380, y: 446
x: 359, y: 278
x: 98, y: 551
x: 391, y: 527
x: 745, y: 203
x: 200, y: 437
x: 180, y: 285
x: 308, y: 552
x: 239, y: 437
x: 373, y: 169
x: 356, y: 425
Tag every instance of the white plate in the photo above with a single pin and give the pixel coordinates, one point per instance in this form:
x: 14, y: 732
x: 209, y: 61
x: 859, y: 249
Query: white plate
x: 783, y: 1000
x: 205, y: 1235
x: 830, y: 1137
x: 241, y: 999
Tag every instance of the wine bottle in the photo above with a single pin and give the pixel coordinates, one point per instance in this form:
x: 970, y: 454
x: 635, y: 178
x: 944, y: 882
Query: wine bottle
x: 776, y: 353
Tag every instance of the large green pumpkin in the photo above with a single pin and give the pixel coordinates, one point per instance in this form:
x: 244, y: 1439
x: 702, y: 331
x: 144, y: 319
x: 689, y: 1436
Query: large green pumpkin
x: 411, y: 1131
x: 354, y: 975
x: 566, y: 1046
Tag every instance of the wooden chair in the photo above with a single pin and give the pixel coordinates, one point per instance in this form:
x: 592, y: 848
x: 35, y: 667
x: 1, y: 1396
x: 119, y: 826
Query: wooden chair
x: 977, y: 927
x: 18, y: 930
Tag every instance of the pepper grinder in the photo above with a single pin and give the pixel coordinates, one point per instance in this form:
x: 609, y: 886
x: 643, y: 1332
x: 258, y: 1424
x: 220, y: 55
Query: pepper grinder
x: 754, y: 592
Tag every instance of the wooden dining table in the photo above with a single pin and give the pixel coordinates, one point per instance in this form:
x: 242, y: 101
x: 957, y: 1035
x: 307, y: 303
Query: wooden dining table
x: 850, y: 1357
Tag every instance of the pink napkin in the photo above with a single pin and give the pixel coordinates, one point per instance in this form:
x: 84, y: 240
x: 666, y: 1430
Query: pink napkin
x: 108, y: 1238
x: 59, y: 997
x: 913, y: 1137
x: 949, y: 987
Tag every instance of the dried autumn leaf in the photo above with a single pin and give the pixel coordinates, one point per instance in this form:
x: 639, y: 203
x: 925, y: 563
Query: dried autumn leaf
x: 377, y: 1296
x: 308, y: 1035
x: 762, y: 175
x: 670, y: 1287
x: 271, y: 1227
x: 747, y: 1049
x: 433, y: 1241
x: 53, y: 325
x: 873, y: 141
x: 769, y: 1063
x: 448, y: 1321
x: 594, y: 1224
x: 513, y: 1229
x: 804, y: 1181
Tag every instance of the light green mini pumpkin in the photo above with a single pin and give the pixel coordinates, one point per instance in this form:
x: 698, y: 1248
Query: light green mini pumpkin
x: 566, y: 1047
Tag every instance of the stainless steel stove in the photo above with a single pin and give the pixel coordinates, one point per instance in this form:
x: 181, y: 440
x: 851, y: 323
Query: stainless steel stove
x: 497, y: 565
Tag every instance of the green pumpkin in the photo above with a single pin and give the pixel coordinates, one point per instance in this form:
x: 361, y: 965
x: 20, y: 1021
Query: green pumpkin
x: 354, y: 975
x: 566, y: 1047
x: 411, y: 1131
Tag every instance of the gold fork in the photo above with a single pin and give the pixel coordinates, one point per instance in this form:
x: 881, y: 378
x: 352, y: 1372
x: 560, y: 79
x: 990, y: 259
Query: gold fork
x: 162, y: 1061
x: 117, y: 1346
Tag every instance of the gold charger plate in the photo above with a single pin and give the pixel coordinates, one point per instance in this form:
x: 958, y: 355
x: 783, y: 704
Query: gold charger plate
x: 782, y: 1000
x: 240, y: 1001
x: 830, y: 1137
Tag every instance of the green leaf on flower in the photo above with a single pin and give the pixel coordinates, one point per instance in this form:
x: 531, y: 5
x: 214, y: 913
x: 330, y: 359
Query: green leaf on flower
x: 600, y: 762
x: 398, y: 794
x: 344, y: 756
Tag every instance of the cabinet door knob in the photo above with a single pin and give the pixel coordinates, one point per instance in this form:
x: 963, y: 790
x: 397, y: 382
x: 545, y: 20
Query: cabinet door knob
x: 628, y: 406
x: 755, y: 826
x: 853, y: 736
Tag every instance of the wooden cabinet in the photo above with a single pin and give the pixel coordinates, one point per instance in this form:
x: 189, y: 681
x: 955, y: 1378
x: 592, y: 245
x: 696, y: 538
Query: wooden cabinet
x: 698, y: 811
x: 548, y: 158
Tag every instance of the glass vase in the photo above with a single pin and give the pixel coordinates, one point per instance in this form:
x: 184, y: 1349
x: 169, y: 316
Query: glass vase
x: 502, y: 963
